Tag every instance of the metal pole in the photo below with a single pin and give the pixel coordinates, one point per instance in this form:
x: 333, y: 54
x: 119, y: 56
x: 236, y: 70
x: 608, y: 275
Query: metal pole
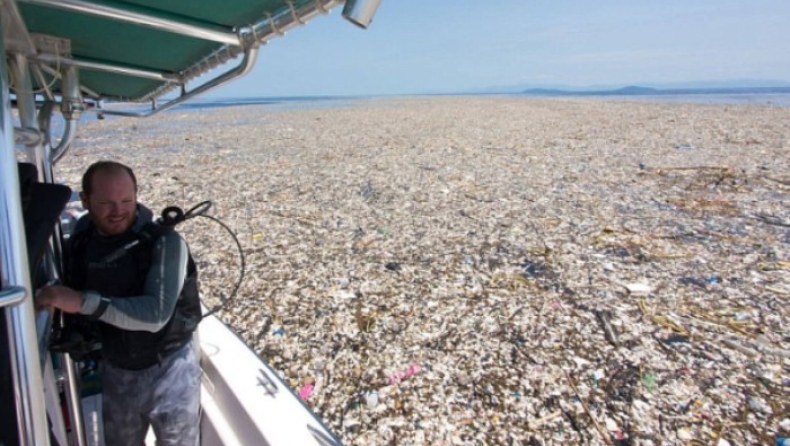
x: 26, y: 369
x: 122, y: 15
x: 41, y: 154
x: 108, y: 67
x: 244, y: 67
x: 71, y: 107
x: 26, y: 106
x: 71, y: 378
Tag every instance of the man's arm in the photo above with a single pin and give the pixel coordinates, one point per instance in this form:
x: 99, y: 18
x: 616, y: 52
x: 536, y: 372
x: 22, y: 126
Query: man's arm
x: 147, y: 312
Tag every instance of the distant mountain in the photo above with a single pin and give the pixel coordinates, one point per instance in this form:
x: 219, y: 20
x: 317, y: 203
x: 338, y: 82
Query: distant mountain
x: 648, y: 91
x: 734, y: 83
x: 634, y: 90
x: 690, y: 85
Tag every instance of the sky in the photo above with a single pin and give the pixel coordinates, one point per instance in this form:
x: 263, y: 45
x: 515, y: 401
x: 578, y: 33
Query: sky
x: 456, y: 46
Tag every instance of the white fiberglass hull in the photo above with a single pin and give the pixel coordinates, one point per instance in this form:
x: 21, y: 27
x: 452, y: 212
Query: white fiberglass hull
x: 244, y: 402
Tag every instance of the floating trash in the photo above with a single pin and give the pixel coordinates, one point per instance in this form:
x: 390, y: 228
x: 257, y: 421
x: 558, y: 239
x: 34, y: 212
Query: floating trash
x: 639, y: 289
x: 372, y: 400
x: 405, y: 374
x: 306, y: 391
x: 451, y: 282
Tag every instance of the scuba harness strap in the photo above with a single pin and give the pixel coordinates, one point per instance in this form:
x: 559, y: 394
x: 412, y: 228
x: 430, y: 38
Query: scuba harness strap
x: 171, y: 216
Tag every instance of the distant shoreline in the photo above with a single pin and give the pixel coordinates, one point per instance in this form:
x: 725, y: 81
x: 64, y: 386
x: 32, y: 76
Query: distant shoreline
x: 778, y: 96
x: 648, y: 91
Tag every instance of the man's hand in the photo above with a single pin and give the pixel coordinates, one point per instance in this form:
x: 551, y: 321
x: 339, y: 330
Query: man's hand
x: 56, y: 296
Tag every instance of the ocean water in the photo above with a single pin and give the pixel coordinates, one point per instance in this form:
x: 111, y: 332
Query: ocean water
x: 269, y: 103
x: 776, y: 99
x: 322, y: 102
x: 274, y: 103
x: 328, y: 102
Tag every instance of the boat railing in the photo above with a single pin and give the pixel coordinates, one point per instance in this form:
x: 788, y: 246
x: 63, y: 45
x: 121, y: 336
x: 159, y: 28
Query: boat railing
x: 12, y: 296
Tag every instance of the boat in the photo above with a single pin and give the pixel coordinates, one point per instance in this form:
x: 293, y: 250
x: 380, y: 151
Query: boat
x: 97, y: 56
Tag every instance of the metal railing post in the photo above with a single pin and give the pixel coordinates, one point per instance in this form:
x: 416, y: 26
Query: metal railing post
x: 26, y: 369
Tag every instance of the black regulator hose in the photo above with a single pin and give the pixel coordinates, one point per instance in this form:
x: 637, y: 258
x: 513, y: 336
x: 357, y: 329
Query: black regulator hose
x: 173, y: 215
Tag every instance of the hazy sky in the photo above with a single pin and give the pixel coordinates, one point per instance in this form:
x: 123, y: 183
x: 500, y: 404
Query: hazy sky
x: 435, y: 46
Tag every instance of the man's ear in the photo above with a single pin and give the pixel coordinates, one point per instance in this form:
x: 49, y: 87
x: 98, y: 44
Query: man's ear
x: 84, y: 200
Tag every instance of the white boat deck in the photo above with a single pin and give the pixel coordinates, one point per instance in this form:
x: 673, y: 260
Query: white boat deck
x: 244, y: 401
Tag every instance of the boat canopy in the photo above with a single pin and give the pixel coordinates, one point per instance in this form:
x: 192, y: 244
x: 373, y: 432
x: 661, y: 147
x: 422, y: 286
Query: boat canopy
x: 143, y: 50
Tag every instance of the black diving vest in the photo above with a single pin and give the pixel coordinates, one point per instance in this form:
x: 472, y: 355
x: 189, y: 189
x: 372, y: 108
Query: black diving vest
x: 124, y: 276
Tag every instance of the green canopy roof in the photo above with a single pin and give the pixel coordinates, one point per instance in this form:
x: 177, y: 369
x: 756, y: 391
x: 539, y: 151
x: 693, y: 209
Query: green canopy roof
x: 138, y: 50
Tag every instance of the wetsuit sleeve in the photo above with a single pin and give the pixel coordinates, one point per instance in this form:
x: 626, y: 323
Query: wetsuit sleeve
x: 150, y: 311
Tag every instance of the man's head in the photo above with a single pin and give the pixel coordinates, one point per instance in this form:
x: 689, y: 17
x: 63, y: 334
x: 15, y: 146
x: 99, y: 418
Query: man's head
x: 109, y: 193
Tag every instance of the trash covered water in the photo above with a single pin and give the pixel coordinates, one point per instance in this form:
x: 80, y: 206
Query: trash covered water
x: 496, y: 270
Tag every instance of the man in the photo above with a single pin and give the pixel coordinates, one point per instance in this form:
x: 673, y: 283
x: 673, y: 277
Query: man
x: 133, y: 284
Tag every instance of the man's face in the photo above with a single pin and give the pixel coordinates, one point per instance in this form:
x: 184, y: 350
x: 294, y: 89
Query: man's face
x: 112, y: 202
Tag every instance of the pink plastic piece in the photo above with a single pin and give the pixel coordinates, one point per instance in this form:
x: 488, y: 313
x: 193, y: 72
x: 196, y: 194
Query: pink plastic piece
x: 306, y: 391
x: 403, y: 375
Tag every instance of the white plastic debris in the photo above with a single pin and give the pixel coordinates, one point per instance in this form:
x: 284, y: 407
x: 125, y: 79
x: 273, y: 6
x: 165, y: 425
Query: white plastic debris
x: 639, y: 289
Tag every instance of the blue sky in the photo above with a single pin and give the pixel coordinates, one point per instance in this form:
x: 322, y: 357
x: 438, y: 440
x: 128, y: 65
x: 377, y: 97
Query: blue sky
x: 445, y: 46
